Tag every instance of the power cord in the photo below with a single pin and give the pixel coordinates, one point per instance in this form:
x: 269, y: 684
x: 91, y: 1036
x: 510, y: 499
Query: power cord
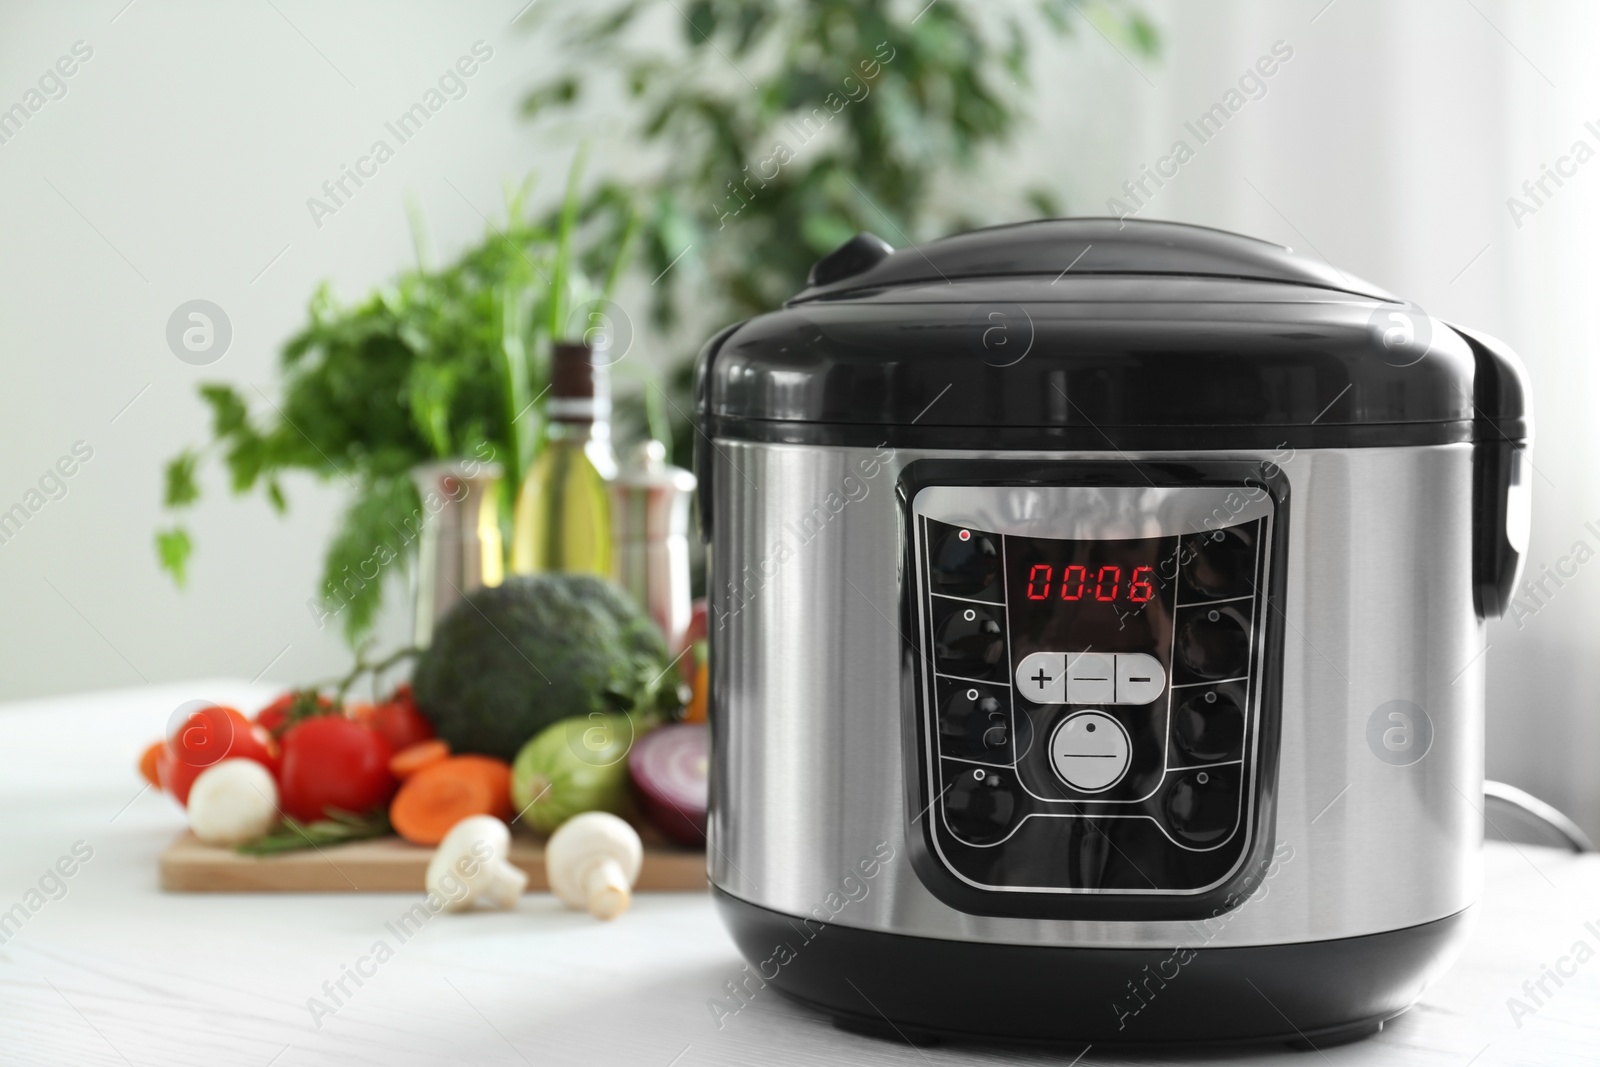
x: 1539, y: 811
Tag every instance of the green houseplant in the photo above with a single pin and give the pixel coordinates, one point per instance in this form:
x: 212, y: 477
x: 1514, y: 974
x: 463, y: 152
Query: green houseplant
x: 787, y: 127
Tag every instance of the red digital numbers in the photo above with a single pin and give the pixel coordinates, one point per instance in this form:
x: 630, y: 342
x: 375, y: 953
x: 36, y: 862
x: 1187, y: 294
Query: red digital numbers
x: 1034, y: 577
x: 1100, y: 592
x: 1140, y: 590
x: 1106, y: 583
x: 1073, y: 581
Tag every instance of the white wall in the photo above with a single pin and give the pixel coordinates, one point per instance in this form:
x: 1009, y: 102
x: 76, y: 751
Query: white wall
x: 178, y: 164
x: 1389, y: 144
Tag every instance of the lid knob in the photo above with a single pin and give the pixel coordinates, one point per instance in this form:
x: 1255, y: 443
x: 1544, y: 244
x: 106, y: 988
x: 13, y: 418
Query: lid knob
x: 861, y: 252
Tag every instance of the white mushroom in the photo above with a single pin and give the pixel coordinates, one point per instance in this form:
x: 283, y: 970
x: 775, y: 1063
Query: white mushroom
x: 471, y: 867
x: 232, y: 802
x: 592, y: 862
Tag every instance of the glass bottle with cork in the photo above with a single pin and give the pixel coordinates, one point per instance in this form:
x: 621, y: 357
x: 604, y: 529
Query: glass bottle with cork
x: 563, y: 516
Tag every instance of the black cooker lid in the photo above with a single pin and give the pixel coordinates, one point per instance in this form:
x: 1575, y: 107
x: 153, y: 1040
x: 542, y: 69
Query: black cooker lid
x: 1102, y: 334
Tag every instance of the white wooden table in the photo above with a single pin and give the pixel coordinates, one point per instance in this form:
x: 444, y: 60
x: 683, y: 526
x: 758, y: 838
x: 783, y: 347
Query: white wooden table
x: 113, y: 971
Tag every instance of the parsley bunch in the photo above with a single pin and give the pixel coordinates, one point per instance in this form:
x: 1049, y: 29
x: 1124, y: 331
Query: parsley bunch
x: 437, y: 364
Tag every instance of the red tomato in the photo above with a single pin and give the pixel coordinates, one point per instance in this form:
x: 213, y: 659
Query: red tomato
x: 334, y: 762
x: 209, y: 736
x: 397, y: 719
x: 275, y: 716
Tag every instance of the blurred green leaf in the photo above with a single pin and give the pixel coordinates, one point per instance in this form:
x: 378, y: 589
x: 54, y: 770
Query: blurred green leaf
x: 1144, y: 34
x: 275, y: 497
x: 181, y: 489
x: 561, y: 91
x: 376, y: 538
x: 173, y: 549
x: 228, y: 410
x: 1045, y: 202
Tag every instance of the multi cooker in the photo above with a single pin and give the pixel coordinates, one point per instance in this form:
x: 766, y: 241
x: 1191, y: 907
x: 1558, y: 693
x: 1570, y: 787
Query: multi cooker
x: 1097, y: 617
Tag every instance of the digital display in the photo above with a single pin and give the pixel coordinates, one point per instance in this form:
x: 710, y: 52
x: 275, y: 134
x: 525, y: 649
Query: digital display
x: 1077, y: 595
x: 1103, y: 582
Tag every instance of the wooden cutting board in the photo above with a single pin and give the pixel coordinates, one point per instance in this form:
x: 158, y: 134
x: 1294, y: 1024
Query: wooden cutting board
x: 382, y: 865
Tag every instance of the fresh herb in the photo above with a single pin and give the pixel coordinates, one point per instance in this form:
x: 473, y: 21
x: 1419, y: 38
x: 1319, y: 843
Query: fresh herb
x: 439, y: 364
x: 338, y: 828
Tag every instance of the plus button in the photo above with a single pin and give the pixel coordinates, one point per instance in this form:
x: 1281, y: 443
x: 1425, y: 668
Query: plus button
x: 1041, y: 677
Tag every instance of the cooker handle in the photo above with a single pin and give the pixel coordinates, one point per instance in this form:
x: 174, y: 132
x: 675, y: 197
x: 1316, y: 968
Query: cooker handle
x: 702, y: 436
x: 862, y: 252
x: 1501, y: 472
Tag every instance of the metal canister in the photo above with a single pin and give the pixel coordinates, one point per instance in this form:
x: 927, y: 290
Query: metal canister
x: 650, y: 537
x: 460, y: 547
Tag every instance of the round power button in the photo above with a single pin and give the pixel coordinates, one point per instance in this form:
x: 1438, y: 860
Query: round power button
x: 966, y: 563
x: 1090, y: 751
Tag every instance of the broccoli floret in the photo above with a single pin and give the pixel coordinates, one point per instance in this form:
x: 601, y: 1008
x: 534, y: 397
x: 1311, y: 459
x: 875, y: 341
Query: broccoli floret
x: 508, y: 661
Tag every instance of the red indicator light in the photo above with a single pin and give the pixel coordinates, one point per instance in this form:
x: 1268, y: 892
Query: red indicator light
x: 965, y: 535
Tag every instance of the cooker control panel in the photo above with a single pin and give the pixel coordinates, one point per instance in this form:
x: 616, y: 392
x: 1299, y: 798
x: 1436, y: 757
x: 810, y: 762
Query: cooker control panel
x: 1090, y: 689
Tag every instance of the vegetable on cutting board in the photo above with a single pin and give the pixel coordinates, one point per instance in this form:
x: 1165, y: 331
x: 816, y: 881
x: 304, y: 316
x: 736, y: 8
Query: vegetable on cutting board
x: 233, y: 802
x: 291, y: 707
x: 338, y: 828
x: 206, y: 738
x: 669, y: 768
x: 396, y: 718
x: 275, y: 716
x: 575, y: 765
x: 437, y: 797
x: 149, y: 760
x: 471, y: 868
x: 700, y: 691
x: 592, y: 863
x: 333, y: 762
x: 309, y: 770
x: 409, y: 761
x: 497, y: 773
x: 510, y: 660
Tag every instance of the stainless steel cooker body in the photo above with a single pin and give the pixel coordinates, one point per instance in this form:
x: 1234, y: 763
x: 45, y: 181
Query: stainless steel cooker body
x: 981, y: 751
x: 1373, y: 790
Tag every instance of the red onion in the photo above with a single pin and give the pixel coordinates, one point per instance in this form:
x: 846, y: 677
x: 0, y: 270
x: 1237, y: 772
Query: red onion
x: 669, y: 767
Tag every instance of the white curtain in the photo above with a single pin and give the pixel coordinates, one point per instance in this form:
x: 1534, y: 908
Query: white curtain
x: 1390, y: 143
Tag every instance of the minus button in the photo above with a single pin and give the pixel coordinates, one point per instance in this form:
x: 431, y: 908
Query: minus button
x: 1140, y: 678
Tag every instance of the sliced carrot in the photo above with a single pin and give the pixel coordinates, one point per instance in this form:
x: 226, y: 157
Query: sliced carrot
x: 147, y: 763
x: 498, y: 774
x: 410, y: 760
x: 441, y: 794
x: 434, y: 799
